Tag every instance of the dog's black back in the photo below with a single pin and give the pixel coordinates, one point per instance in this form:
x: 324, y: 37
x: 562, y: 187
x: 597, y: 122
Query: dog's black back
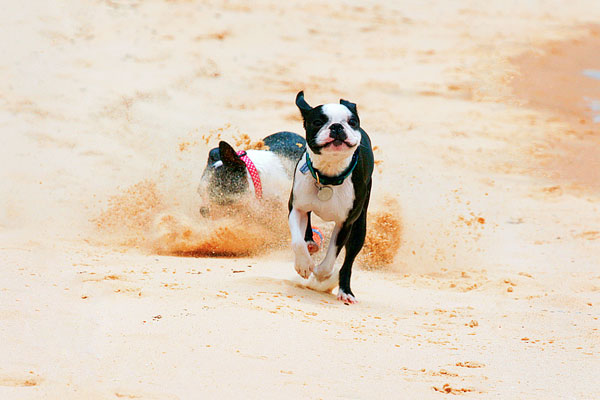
x: 286, y: 144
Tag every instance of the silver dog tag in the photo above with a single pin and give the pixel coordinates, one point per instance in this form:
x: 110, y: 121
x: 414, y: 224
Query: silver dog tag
x: 324, y: 193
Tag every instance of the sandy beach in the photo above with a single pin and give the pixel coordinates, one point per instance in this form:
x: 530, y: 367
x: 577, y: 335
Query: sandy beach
x: 481, y: 276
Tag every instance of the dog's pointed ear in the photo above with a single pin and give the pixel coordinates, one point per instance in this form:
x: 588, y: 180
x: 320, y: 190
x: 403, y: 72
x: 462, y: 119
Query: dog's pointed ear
x: 302, y: 104
x: 214, y: 155
x: 349, y: 105
x: 229, y: 156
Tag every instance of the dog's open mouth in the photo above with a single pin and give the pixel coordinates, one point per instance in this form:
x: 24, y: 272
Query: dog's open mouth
x: 337, y: 143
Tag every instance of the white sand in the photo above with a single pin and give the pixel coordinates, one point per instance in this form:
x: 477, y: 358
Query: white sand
x: 495, y: 291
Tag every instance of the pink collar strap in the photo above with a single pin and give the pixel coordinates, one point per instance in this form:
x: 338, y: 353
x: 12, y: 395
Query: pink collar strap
x: 253, y: 173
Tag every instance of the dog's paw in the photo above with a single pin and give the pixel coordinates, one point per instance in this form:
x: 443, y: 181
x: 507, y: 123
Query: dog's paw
x: 347, y: 298
x: 304, y: 266
x: 322, y: 272
x: 322, y: 286
x: 325, y: 270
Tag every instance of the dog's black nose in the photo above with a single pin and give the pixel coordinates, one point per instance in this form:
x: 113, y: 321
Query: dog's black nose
x: 336, y: 131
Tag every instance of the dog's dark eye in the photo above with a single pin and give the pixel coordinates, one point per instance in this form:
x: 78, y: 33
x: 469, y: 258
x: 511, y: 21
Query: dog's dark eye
x: 317, y: 123
x: 353, y: 122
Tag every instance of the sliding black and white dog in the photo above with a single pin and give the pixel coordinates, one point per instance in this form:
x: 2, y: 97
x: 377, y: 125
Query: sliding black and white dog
x: 333, y: 180
x: 232, y: 177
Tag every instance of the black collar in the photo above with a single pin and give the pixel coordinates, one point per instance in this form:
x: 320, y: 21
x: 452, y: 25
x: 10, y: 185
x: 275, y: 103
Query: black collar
x: 332, y: 180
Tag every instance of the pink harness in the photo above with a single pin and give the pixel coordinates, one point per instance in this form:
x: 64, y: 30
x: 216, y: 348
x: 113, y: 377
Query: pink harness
x: 253, y: 173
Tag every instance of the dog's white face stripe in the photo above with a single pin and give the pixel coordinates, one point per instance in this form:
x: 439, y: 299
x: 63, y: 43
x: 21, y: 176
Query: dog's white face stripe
x: 333, y: 160
x: 337, y: 114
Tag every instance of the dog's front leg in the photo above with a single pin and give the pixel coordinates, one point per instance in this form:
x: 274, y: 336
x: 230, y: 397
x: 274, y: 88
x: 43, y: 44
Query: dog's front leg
x: 298, y: 222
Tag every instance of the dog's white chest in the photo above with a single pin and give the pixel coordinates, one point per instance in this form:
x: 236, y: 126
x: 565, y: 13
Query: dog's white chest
x: 334, y: 208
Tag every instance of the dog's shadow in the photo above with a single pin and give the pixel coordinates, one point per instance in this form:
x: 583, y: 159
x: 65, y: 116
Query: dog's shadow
x: 290, y: 287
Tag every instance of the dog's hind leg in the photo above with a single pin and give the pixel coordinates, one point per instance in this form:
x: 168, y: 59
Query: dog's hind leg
x: 324, y: 270
x: 323, y: 278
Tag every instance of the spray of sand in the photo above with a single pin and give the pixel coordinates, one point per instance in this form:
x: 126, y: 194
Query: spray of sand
x: 159, y: 215
x: 142, y: 217
x: 384, y: 235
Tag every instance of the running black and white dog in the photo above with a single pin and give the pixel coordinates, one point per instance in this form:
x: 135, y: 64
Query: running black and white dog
x: 231, y: 176
x: 333, y: 180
